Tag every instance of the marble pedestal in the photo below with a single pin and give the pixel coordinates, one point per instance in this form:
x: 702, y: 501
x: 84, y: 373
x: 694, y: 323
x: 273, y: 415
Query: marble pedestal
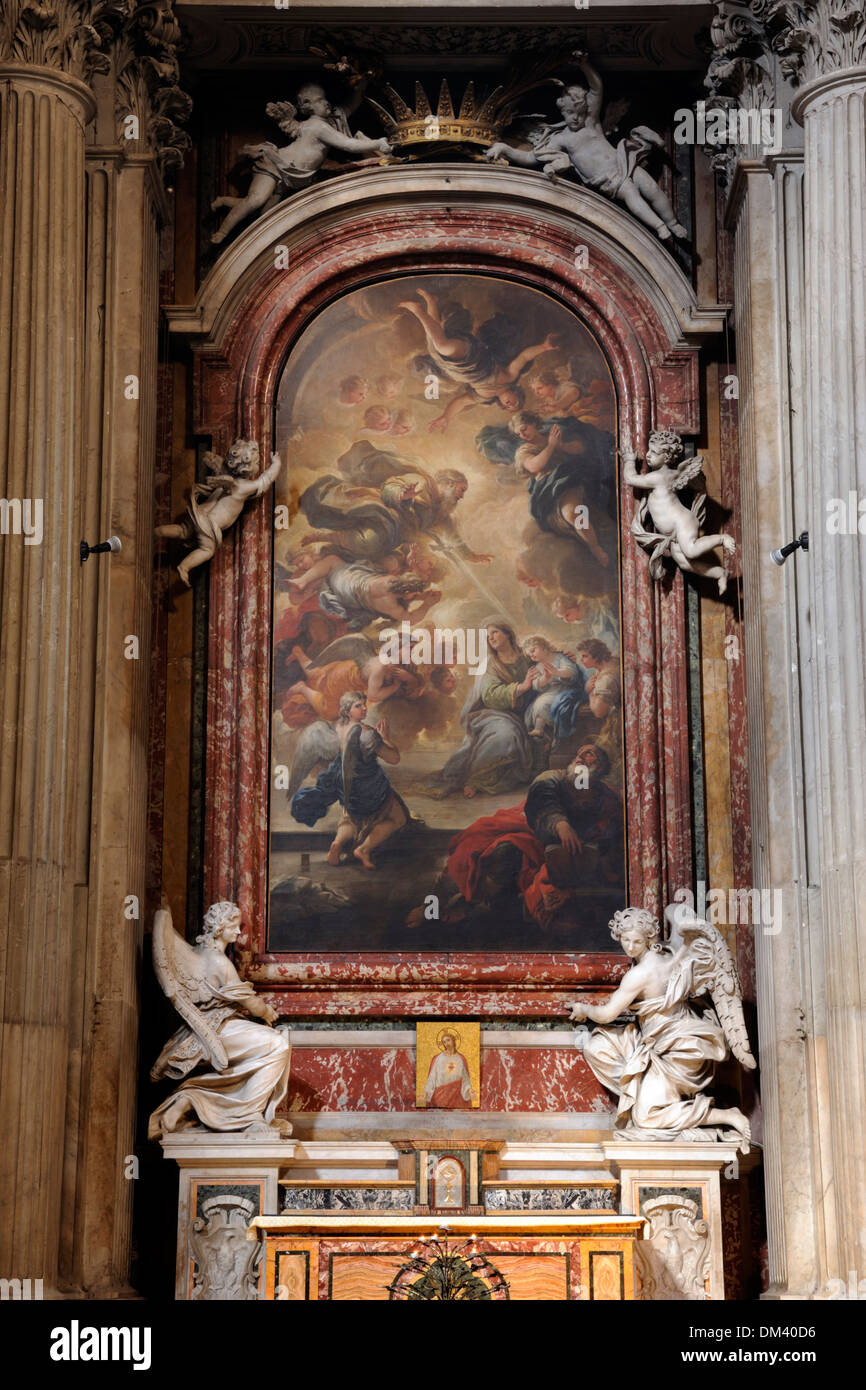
x: 671, y: 1193
x: 225, y: 1181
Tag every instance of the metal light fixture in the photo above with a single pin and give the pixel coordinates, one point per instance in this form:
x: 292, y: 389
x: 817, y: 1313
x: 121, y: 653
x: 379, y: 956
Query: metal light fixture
x: 112, y: 544
x: 437, y: 1272
x: 801, y: 543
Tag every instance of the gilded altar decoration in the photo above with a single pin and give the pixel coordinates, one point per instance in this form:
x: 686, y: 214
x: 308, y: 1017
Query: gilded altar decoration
x: 688, y: 1007
x: 249, y: 1060
x: 436, y: 1271
x: 664, y: 525
x: 216, y: 504
x: 448, y: 1065
x: 447, y: 692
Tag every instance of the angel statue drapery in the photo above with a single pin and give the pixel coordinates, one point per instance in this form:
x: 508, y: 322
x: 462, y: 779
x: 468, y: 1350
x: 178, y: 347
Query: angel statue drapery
x: 249, y: 1060
x: 660, y: 1065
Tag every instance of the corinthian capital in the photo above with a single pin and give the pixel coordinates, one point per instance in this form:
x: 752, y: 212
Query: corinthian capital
x: 69, y: 35
x: 815, y: 37
x: 150, y: 105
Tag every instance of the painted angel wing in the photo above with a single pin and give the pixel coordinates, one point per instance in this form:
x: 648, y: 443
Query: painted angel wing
x: 180, y: 971
x: 350, y: 647
x: 317, y: 744
x: 688, y: 471
x: 713, y: 972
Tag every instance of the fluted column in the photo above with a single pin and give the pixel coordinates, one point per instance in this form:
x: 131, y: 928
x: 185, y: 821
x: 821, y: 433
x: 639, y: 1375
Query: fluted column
x: 43, y: 113
x: 832, y: 109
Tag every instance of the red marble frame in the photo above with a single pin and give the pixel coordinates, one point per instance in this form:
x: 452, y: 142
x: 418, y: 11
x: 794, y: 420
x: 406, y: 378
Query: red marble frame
x: 235, y: 393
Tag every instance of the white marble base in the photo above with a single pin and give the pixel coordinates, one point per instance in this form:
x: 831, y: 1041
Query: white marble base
x: 683, y: 1228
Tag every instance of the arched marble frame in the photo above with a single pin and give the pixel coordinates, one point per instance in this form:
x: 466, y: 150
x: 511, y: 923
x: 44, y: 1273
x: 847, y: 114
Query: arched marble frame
x: 633, y: 297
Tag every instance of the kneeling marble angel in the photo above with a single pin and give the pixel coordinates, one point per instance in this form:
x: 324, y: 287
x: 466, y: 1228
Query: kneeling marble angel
x: 250, y: 1060
x: 660, y: 1065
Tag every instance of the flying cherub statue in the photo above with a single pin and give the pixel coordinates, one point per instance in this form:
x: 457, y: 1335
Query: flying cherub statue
x: 675, y: 527
x: 250, y: 1062
x: 216, y: 504
x: 314, y: 128
x: 661, y: 1064
x: 580, y: 143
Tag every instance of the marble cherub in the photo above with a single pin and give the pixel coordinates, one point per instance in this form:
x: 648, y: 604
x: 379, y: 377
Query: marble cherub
x: 580, y: 143
x: 664, y: 525
x: 225, y: 1024
x: 315, y: 129
x: 216, y: 504
x: 661, y: 1064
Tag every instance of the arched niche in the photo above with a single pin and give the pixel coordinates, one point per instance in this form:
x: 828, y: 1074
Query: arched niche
x: 254, y: 304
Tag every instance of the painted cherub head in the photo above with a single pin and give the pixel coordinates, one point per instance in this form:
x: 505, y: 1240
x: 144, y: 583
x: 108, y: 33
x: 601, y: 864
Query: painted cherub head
x: 664, y: 449
x: 636, y: 930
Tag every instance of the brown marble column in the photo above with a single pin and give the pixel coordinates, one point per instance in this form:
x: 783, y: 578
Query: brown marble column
x: 79, y: 314
x: 43, y: 113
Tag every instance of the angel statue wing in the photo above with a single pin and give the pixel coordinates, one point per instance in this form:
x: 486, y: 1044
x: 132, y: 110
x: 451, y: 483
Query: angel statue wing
x: 284, y: 113
x: 711, y: 968
x: 181, y: 973
x: 688, y: 471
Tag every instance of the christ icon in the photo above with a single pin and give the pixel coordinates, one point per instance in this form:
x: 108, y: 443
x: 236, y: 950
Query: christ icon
x: 448, y: 1086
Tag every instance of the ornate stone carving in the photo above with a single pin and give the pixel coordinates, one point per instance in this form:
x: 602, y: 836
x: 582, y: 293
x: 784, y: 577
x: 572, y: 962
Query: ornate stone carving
x: 226, y: 1263
x: 147, y: 85
x: 807, y: 38
x: 661, y: 1064
x: 674, y: 1259
x: 250, y: 1062
x: 136, y: 40
x: 664, y: 525
x: 740, y: 72
x: 814, y: 37
x: 70, y: 35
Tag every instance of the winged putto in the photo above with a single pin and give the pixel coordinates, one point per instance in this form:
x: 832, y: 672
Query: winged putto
x: 664, y: 525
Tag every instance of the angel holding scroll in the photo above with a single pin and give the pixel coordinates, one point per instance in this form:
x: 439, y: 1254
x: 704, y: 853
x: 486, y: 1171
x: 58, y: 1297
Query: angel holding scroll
x: 250, y: 1061
x: 660, y: 1065
x: 677, y: 528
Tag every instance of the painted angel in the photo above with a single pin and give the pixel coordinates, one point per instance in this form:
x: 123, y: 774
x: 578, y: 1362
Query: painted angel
x: 664, y: 525
x: 580, y: 144
x: 216, y: 504
x: 661, y: 1064
x: 249, y: 1062
x: 321, y: 129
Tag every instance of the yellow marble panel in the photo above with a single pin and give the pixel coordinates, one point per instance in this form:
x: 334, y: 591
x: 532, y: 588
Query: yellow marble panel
x: 363, y: 1277
x: 536, y: 1278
